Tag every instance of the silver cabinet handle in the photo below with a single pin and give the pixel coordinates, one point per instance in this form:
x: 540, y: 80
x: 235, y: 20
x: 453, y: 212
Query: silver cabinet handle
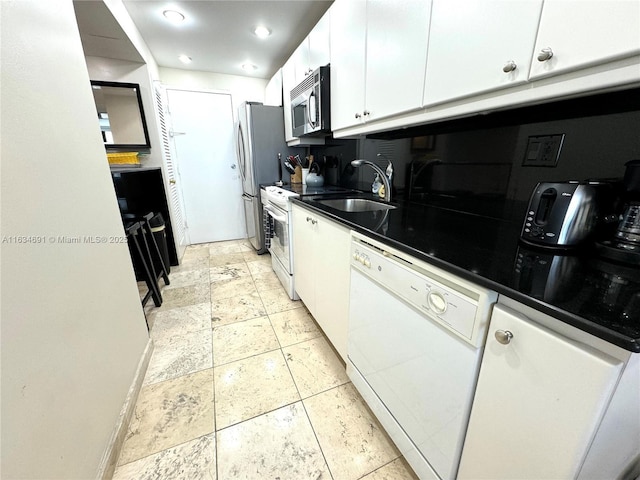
x: 313, y: 222
x: 233, y: 167
x: 545, y: 54
x: 509, y: 67
x: 366, y: 112
x: 358, y: 115
x: 503, y: 336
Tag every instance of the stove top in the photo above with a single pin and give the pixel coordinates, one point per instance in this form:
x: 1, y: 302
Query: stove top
x: 278, y: 196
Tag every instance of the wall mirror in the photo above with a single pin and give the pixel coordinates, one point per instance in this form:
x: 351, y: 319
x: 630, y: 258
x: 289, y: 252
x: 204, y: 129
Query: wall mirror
x: 120, y: 115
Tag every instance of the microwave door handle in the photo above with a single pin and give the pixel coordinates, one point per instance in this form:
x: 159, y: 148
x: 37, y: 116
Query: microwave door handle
x: 311, y: 109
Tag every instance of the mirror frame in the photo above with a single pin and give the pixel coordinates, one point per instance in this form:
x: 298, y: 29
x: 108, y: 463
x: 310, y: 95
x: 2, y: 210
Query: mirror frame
x: 130, y: 146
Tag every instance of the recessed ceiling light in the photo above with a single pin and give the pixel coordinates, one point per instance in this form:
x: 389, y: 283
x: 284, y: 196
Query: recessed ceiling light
x: 184, y: 59
x: 262, y: 32
x: 249, y: 67
x: 173, y: 16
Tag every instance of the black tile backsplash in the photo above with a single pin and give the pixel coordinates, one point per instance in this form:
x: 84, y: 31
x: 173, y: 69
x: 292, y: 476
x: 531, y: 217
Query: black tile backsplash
x: 477, y: 164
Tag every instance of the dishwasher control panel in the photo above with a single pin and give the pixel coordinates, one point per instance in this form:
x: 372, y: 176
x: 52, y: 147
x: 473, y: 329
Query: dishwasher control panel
x: 453, y: 309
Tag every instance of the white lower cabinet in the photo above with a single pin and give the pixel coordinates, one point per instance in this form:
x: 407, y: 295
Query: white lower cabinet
x: 540, y: 402
x: 321, y: 250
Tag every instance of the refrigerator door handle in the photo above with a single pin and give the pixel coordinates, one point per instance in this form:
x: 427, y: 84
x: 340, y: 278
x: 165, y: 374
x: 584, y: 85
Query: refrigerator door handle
x: 242, y: 156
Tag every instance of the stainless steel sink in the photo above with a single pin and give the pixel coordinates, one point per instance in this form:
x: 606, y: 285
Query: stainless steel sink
x: 355, y: 204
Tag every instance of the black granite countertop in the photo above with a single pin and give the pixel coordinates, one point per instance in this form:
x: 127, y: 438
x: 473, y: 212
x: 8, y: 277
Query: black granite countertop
x: 581, y: 289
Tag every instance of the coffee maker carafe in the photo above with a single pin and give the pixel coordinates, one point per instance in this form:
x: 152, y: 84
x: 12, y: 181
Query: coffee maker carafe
x: 625, y: 245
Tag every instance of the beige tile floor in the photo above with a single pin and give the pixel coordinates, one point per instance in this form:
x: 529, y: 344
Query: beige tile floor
x: 242, y: 384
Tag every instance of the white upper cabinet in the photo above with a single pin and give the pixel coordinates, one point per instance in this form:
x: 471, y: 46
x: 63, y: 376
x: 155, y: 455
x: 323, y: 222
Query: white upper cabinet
x: 378, y: 58
x: 397, y: 35
x: 312, y: 53
x: 585, y: 33
x: 318, y: 44
x: 478, y: 45
x: 348, y: 40
x: 288, y: 83
x: 273, y: 90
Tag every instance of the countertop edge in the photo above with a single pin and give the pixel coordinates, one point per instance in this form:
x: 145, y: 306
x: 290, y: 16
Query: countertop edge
x: 628, y: 343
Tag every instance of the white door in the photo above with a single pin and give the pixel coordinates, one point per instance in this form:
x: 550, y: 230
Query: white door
x: 203, y: 134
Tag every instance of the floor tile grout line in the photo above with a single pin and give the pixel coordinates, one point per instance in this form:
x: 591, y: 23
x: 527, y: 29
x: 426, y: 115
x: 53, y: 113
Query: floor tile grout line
x: 165, y: 449
x: 254, y: 276
x: 247, y: 357
x: 259, y: 415
x: 315, y: 435
x: 213, y: 372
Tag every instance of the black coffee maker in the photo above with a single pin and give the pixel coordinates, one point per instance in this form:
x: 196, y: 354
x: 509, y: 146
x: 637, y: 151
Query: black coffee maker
x: 624, y: 247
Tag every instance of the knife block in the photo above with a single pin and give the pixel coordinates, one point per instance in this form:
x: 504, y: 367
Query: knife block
x: 296, y: 177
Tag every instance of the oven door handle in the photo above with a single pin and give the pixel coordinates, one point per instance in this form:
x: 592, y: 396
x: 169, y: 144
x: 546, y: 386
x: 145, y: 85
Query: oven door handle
x: 275, y: 216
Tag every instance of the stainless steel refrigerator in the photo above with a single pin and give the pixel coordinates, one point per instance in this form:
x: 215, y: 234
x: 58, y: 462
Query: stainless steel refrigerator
x: 260, y: 137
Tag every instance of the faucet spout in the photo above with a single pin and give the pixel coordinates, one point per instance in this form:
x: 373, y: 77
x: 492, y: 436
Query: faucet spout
x: 378, y: 170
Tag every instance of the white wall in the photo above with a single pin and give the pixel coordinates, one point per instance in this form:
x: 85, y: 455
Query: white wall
x: 242, y: 89
x: 73, y: 329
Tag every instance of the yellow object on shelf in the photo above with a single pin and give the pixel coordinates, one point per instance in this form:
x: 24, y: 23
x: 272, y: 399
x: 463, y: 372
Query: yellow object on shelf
x: 123, y: 158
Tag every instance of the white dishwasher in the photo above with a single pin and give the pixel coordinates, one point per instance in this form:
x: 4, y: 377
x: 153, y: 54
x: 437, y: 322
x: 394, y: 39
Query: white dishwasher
x: 416, y: 336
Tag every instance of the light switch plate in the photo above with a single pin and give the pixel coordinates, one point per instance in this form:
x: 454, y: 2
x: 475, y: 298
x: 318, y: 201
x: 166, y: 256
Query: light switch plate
x: 543, y: 150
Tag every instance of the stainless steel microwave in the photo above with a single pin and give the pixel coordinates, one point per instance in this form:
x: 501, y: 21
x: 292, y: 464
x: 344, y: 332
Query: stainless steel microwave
x: 310, y: 104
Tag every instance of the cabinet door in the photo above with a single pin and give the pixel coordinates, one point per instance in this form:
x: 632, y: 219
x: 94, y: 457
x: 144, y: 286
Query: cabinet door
x: 471, y: 41
x: 397, y: 33
x: 348, y: 30
x: 538, y: 403
x: 332, y: 249
x: 304, y: 238
x: 288, y: 83
x: 319, y: 47
x: 585, y: 33
x: 300, y: 58
x: 273, y: 90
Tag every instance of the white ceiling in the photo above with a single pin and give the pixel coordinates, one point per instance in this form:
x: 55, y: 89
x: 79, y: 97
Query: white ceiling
x: 216, y: 34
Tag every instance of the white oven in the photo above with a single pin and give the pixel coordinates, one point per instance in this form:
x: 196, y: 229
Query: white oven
x: 277, y: 207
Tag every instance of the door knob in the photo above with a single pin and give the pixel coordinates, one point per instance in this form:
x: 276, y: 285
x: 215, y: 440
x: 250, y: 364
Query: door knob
x: 545, y: 54
x: 503, y: 336
x: 509, y: 67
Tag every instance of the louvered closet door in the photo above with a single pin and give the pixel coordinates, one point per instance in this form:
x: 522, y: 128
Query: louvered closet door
x: 172, y: 175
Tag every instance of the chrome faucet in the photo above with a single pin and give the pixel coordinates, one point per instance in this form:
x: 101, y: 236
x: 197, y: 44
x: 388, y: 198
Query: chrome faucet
x: 378, y: 170
x: 389, y: 167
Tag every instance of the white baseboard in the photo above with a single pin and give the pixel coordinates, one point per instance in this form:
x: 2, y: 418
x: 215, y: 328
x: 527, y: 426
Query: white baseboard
x: 112, y: 453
